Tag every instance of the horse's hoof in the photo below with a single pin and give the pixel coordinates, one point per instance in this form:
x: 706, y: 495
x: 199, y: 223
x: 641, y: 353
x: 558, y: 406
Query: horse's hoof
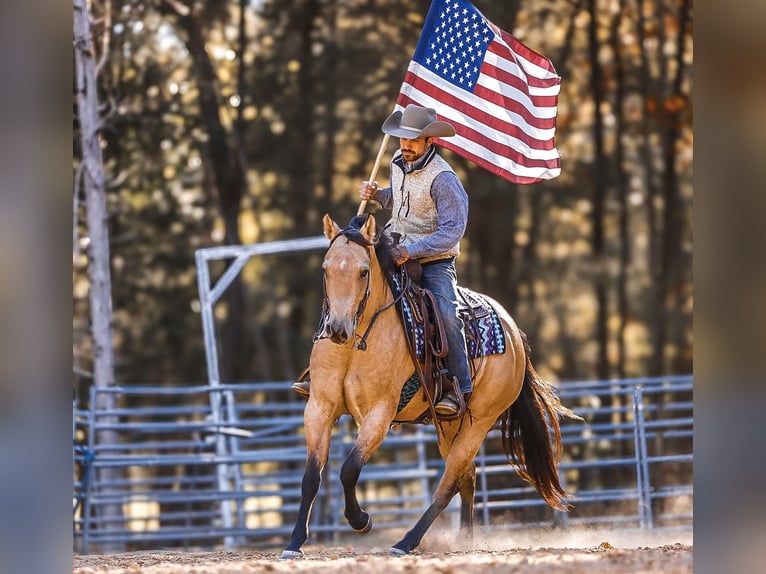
x: 394, y: 551
x: 366, y: 528
x: 291, y: 554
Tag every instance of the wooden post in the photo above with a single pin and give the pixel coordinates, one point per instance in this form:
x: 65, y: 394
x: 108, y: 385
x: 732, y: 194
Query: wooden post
x: 374, y: 171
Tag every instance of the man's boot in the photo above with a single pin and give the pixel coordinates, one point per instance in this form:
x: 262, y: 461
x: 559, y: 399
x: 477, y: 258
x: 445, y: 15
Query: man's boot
x: 448, y: 405
x: 452, y: 403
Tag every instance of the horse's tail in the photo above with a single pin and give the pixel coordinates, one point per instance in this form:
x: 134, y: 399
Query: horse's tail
x: 531, y: 435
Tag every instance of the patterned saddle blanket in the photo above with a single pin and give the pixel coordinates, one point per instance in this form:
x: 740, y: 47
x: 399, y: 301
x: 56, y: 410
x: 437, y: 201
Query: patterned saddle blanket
x: 483, y: 330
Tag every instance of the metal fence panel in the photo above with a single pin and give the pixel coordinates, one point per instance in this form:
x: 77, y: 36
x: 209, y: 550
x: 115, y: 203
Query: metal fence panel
x: 173, y: 466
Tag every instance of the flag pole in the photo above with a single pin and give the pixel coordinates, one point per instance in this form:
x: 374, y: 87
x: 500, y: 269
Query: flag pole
x: 374, y: 171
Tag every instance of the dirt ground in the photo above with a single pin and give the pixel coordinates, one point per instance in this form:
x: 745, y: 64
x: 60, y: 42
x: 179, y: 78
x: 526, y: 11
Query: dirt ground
x: 607, y: 552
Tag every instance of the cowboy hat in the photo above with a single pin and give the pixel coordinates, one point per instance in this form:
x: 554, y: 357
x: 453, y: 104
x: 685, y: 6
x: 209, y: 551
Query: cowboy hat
x: 416, y: 122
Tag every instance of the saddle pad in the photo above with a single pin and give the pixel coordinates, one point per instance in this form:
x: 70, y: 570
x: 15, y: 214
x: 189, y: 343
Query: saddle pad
x: 408, y: 391
x: 483, y: 330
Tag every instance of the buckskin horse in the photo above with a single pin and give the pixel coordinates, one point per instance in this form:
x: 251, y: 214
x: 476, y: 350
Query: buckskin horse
x: 367, y: 384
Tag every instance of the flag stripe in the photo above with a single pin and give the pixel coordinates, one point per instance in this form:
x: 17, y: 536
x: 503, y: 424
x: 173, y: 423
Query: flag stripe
x: 491, y: 87
x: 507, y: 170
x: 487, y: 136
x: 487, y: 141
x: 526, y: 72
x: 535, y: 58
x: 482, y: 109
x: 510, y: 73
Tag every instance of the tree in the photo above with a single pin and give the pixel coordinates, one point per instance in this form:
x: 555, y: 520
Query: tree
x: 92, y: 173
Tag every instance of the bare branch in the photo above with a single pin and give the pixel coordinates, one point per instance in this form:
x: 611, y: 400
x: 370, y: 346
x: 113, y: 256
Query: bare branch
x: 105, y: 38
x: 178, y: 7
x: 80, y: 372
x: 75, y: 205
x: 117, y: 181
x: 107, y: 111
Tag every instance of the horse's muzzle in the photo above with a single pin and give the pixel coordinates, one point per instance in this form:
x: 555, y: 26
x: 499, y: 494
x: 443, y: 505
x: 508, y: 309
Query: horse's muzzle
x: 338, y: 332
x: 339, y: 337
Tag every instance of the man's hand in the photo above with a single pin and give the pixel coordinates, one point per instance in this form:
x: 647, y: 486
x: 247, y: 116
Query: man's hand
x: 399, y: 254
x: 368, y: 189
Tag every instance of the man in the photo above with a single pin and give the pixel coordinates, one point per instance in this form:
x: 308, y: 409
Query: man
x: 430, y: 212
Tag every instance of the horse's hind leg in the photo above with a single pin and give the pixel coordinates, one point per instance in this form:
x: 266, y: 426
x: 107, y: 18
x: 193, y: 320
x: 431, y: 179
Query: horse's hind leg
x: 318, y: 428
x: 372, y: 431
x: 459, y: 476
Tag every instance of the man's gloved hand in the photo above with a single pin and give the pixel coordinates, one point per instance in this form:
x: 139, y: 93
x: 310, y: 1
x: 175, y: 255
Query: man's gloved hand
x: 399, y: 254
x: 368, y: 189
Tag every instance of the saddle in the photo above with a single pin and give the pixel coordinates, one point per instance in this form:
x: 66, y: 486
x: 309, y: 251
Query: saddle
x: 426, y: 338
x: 483, y: 331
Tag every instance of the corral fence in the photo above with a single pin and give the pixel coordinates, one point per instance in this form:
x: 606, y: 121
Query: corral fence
x: 220, y: 465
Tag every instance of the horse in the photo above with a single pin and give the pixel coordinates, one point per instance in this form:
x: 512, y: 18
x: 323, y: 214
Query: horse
x: 367, y: 384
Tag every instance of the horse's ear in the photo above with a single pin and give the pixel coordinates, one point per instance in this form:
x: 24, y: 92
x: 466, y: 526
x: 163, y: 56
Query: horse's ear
x: 368, y: 229
x: 331, y: 229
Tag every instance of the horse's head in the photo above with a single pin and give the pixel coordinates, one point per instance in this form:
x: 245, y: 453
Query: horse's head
x: 347, y: 267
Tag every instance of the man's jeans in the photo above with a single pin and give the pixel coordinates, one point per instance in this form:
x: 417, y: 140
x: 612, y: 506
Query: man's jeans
x: 440, y: 277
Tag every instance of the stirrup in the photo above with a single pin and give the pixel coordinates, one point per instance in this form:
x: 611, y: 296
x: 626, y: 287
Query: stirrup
x: 302, y: 388
x: 448, y: 406
x: 452, y: 404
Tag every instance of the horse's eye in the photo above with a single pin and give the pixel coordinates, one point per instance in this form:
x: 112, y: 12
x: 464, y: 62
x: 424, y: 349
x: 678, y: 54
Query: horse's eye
x: 364, y: 273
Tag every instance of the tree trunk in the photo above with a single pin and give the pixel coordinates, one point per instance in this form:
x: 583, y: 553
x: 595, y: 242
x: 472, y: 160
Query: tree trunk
x: 528, y: 263
x: 622, y: 192
x: 303, y: 143
x: 566, y: 46
x: 599, y: 197
x: 654, y: 315
x: 302, y: 203
x: 494, y: 234
x: 230, y: 181
x: 98, y: 250
x: 672, y: 221
x: 330, y: 101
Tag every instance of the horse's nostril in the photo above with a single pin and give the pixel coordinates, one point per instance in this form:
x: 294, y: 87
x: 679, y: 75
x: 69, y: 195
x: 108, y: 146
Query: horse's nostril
x: 338, y: 332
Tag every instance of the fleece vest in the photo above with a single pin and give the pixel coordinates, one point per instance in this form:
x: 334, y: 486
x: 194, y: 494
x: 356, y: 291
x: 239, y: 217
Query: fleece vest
x: 414, y: 212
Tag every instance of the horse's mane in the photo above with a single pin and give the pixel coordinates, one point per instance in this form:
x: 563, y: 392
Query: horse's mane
x: 382, y: 242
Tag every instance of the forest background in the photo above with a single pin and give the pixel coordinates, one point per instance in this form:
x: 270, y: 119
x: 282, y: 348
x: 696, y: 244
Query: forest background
x: 227, y: 122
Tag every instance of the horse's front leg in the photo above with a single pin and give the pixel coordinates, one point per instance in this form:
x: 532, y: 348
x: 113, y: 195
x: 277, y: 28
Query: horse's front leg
x: 467, y: 494
x: 318, y: 426
x: 372, y: 431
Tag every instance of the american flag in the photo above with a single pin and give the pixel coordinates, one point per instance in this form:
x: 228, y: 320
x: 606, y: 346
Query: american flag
x: 500, y: 95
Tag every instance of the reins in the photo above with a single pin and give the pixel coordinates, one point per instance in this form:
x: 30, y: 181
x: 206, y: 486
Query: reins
x: 362, y: 341
x: 362, y: 345
x: 424, y: 374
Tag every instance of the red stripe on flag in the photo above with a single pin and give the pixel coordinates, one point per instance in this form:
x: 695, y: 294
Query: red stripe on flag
x: 454, y: 102
x: 508, y: 102
x: 529, y: 54
x: 514, y: 81
x: 533, y: 81
x: 492, y: 167
x: 486, y: 141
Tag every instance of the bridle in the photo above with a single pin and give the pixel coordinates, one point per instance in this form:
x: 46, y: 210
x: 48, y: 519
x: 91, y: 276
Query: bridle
x: 362, y: 341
